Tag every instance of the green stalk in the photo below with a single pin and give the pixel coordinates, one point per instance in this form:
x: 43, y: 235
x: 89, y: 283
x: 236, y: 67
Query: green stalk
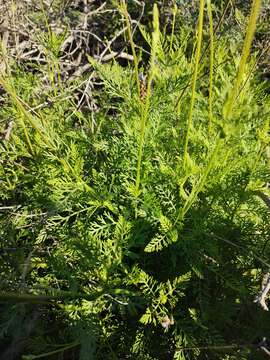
x: 211, y: 67
x: 25, y: 116
x: 57, y: 296
x: 146, y: 105
x: 195, y: 74
x: 173, y: 26
x: 197, y: 189
x: 22, y: 110
x: 204, y: 52
x: 251, y: 71
x: 245, y: 54
x: 48, y: 354
x: 136, y: 63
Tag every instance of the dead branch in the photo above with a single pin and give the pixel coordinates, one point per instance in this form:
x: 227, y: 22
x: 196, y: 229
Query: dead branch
x: 261, y: 298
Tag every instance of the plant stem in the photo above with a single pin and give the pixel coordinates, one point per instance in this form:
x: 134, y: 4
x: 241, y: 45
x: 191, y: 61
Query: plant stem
x: 59, y: 295
x: 211, y: 67
x: 173, y: 25
x: 197, y: 189
x: 62, y: 349
x: 256, y: 5
x: 146, y: 105
x: 195, y: 74
x: 136, y: 63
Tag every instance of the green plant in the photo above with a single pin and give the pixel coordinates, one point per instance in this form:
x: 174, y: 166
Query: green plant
x: 142, y: 236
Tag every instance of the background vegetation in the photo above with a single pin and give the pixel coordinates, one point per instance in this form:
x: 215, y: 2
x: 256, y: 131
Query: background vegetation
x: 134, y: 216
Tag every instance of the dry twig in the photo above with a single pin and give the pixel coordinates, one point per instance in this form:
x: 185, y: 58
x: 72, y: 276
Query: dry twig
x: 261, y: 298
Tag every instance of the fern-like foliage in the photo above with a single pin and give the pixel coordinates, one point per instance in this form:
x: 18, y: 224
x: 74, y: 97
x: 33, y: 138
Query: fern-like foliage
x: 108, y: 267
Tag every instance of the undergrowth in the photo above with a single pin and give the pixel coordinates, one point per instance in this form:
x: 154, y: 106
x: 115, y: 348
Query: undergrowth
x: 136, y: 231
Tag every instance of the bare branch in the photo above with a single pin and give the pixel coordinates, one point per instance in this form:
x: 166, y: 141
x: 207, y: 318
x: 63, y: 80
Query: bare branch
x: 261, y: 298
